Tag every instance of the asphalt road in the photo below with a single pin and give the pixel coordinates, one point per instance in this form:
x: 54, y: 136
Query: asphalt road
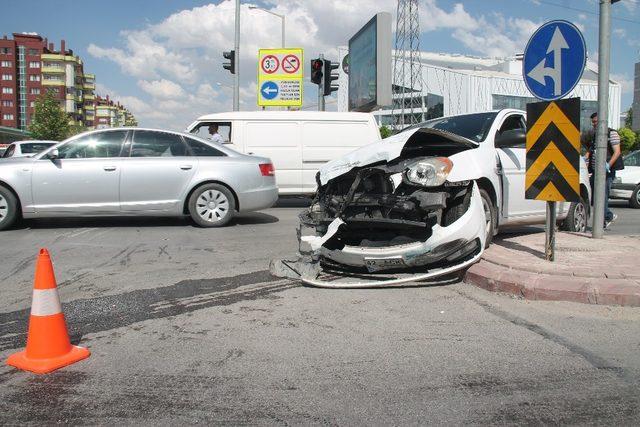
x: 185, y: 325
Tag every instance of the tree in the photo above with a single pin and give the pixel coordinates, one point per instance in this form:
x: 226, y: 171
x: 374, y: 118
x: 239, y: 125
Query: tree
x: 130, y: 120
x: 627, y: 139
x: 49, y: 121
x: 628, y: 121
x: 385, y: 132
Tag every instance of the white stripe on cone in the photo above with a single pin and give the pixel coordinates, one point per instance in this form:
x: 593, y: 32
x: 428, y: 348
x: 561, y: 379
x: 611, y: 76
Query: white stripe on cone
x: 45, y: 302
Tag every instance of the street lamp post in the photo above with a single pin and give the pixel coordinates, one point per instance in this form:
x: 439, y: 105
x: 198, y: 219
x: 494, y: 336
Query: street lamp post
x: 282, y: 17
x: 236, y: 76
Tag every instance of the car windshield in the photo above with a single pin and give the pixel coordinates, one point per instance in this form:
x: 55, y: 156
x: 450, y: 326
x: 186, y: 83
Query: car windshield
x: 35, y: 147
x: 471, y: 126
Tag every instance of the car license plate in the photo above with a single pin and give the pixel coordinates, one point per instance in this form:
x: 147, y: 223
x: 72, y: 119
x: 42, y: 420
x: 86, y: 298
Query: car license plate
x: 376, y: 264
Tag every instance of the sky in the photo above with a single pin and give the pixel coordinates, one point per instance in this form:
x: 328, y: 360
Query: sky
x: 163, y: 58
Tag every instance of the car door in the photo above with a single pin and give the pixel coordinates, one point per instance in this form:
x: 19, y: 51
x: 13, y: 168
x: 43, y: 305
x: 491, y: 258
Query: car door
x: 84, y: 177
x: 157, y: 173
x: 514, y: 166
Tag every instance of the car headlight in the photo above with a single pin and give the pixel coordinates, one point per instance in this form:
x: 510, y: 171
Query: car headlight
x: 429, y: 171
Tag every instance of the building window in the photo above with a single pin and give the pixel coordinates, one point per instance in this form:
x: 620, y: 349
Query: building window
x: 5, y: 64
x: 34, y: 64
x: 5, y: 50
x: 35, y: 91
x: 7, y: 77
x: 52, y: 78
x: 7, y: 90
x: 7, y: 116
x: 7, y: 103
x: 34, y: 78
x: 34, y: 52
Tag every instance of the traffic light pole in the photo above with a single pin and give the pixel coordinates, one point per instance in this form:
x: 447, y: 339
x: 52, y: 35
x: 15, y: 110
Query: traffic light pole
x: 603, y: 120
x: 236, y: 77
x: 321, y: 88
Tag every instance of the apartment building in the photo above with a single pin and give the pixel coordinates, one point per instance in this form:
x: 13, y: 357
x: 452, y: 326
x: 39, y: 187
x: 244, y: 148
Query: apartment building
x: 109, y: 113
x: 29, y: 65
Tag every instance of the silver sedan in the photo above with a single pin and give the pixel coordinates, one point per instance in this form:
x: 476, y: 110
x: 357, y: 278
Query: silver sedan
x: 136, y: 171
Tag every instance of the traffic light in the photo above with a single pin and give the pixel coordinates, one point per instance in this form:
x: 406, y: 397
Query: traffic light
x: 231, y: 57
x: 330, y: 77
x: 316, y: 71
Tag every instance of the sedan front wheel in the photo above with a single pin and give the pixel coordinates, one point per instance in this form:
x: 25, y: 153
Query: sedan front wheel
x: 212, y: 205
x: 8, y: 208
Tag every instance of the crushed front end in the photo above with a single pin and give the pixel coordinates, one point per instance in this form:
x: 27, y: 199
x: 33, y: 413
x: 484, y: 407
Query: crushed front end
x: 401, y: 216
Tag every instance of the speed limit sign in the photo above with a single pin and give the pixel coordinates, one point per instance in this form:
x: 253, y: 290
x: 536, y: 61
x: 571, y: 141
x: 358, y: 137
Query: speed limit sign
x: 270, y: 64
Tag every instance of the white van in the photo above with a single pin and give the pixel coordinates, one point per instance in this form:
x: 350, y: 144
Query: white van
x: 298, y: 142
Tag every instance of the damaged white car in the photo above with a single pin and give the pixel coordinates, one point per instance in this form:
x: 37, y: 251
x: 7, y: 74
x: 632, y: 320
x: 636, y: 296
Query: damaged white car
x: 424, y: 202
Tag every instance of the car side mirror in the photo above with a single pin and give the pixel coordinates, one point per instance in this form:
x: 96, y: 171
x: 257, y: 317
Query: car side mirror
x: 511, y: 138
x: 53, y: 154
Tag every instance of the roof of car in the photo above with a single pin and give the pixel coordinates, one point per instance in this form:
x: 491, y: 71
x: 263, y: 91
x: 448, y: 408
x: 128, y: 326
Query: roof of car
x: 286, y: 115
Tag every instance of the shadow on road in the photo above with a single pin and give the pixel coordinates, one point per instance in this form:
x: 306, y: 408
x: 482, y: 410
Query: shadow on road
x: 248, y: 218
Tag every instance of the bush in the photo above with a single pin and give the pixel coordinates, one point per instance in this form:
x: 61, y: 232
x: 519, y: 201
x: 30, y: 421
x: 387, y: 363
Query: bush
x: 627, y: 139
x: 385, y: 132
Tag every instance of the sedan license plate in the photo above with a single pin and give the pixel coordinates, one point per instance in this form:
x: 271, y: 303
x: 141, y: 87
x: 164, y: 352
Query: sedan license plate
x: 377, y: 264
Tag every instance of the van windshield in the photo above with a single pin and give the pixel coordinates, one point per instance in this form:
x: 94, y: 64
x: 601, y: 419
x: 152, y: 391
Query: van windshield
x: 471, y: 126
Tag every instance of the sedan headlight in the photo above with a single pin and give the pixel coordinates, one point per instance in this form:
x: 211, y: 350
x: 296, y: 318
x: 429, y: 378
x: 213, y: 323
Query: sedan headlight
x: 429, y: 171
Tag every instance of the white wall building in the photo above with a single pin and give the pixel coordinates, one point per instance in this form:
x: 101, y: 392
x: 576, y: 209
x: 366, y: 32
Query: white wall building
x: 459, y: 84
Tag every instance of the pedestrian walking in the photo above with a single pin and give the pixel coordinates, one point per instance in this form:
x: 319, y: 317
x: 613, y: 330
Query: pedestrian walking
x: 613, y: 164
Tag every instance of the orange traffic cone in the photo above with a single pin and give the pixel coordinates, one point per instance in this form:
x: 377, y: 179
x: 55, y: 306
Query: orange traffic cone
x: 48, y: 345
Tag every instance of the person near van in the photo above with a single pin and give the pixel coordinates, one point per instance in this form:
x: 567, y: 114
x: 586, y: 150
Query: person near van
x: 215, y: 136
x: 613, y: 163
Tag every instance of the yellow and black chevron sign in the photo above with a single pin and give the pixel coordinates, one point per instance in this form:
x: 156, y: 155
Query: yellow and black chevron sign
x: 553, y: 151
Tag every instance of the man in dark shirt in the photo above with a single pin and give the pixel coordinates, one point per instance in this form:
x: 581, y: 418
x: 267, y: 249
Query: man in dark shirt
x: 612, y: 164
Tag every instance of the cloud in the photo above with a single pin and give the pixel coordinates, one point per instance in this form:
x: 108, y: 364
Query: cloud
x: 162, y: 88
x: 630, y: 5
x: 619, y: 32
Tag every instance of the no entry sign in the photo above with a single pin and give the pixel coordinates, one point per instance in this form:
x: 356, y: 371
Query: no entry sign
x: 280, y: 74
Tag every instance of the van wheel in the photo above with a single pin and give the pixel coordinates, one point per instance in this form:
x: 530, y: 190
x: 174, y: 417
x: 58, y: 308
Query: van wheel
x: 577, y: 217
x: 212, y: 205
x: 490, y: 215
x: 8, y: 208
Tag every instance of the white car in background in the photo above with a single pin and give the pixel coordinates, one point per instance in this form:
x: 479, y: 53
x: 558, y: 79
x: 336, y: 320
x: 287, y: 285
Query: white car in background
x: 27, y: 148
x: 626, y: 185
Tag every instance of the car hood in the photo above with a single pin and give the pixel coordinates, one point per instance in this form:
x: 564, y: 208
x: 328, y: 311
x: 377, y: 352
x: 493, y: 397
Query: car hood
x: 391, y: 148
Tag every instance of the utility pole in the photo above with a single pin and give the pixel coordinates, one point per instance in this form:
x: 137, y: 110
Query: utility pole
x: 321, y: 86
x: 604, y: 44
x: 236, y: 78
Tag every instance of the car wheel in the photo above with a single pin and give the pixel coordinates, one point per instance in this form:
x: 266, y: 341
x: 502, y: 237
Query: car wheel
x: 634, y: 201
x: 577, y: 217
x: 212, y: 205
x: 490, y: 214
x: 8, y: 208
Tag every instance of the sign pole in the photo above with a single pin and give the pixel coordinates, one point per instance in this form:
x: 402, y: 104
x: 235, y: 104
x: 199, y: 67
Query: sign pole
x: 320, y: 88
x: 236, y: 79
x: 550, y: 232
x: 604, y: 45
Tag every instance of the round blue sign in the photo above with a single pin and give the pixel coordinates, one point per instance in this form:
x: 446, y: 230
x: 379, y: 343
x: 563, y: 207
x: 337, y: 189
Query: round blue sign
x: 554, y: 60
x: 269, y: 90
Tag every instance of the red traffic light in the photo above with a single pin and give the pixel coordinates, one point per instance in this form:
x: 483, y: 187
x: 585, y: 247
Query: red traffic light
x: 316, y: 64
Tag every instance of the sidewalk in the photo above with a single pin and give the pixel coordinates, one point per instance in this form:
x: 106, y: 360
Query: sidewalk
x: 605, y: 271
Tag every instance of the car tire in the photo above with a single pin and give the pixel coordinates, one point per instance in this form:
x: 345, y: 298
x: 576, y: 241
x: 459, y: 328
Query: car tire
x: 577, y: 218
x: 490, y: 210
x: 212, y: 205
x: 9, y: 210
x: 634, y: 201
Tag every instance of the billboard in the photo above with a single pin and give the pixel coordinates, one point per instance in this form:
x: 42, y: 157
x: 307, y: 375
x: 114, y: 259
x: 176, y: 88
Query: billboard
x: 370, y: 65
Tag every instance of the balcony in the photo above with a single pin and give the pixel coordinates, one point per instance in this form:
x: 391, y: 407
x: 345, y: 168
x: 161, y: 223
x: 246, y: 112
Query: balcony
x: 51, y: 57
x: 52, y: 70
x: 52, y: 82
x: 89, y: 86
x: 89, y: 97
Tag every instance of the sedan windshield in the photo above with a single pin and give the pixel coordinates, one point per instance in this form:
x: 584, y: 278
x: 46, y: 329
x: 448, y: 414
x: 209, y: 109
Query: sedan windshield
x: 471, y: 126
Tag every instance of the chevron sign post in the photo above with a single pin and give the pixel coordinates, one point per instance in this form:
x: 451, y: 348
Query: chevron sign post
x: 553, y: 151
x: 552, y: 66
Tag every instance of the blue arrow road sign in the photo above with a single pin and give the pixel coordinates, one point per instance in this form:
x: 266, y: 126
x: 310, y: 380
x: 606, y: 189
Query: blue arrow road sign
x: 269, y: 90
x: 554, y: 60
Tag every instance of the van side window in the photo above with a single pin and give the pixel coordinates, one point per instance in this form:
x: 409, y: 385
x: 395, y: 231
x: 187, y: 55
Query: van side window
x: 205, y: 130
x: 513, y: 122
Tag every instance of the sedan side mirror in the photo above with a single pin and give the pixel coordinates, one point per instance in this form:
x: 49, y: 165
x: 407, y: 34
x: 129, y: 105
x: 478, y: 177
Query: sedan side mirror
x: 53, y: 154
x: 511, y: 139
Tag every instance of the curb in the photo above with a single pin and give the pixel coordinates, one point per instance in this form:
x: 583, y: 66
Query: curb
x: 545, y: 287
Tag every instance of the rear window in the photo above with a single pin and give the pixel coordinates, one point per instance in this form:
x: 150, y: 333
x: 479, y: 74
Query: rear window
x: 34, y: 148
x: 201, y: 149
